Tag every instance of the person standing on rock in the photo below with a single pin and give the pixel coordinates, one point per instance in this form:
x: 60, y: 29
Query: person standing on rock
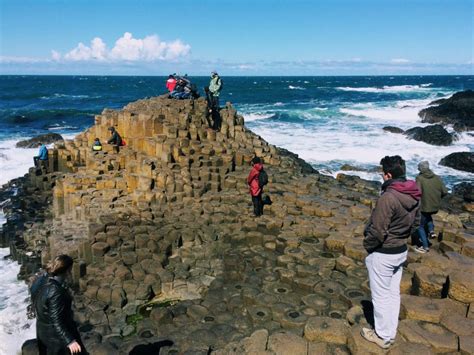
x: 255, y: 186
x: 395, y: 215
x: 432, y: 190
x: 56, y: 331
x: 115, y: 139
x: 41, y: 160
x: 215, y: 87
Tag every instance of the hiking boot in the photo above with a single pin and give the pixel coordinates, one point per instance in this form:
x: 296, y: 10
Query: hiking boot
x: 421, y: 250
x: 433, y: 235
x: 370, y: 335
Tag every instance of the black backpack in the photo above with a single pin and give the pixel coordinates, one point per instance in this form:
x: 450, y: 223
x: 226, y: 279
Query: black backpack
x: 262, y: 178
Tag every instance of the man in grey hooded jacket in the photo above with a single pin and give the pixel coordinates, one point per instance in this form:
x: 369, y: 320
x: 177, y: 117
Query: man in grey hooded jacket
x: 385, y: 239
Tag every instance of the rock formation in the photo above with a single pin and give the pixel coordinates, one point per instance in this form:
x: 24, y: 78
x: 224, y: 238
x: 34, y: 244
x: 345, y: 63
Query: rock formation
x: 169, y: 258
x: 47, y: 138
x: 433, y: 134
x: 457, y: 110
x: 460, y: 161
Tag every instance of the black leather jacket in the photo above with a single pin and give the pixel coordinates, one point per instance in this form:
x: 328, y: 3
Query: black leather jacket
x: 55, y: 324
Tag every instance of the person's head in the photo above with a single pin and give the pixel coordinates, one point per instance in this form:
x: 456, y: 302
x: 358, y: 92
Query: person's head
x: 170, y: 76
x: 393, y: 167
x: 423, y: 166
x: 213, y: 73
x: 256, y: 160
x: 60, y: 265
x: 111, y: 129
x: 39, y: 144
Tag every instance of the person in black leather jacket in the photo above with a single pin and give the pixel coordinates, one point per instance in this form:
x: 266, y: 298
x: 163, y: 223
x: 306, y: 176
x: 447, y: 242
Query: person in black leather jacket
x: 56, y: 331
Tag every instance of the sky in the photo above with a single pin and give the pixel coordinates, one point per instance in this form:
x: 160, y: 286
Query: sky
x: 240, y: 37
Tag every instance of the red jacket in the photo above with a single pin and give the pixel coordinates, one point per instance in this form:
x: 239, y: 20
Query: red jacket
x: 170, y: 84
x: 252, y: 180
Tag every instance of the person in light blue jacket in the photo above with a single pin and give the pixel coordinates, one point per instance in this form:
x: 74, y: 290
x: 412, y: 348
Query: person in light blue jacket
x: 41, y: 160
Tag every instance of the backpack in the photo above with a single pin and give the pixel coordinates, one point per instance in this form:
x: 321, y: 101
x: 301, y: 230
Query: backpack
x: 262, y: 178
x: 38, y: 282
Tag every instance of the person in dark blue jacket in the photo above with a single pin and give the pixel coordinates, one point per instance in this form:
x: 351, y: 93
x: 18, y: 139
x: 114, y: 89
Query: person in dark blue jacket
x: 41, y: 160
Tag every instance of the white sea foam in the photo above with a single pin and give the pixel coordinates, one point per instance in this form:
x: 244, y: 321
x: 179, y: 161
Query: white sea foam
x: 403, y: 112
x: 57, y: 96
x: 15, y: 328
x: 279, y: 104
x: 15, y: 162
x: 291, y: 87
x: 388, y: 89
x: 320, y: 108
x: 257, y: 116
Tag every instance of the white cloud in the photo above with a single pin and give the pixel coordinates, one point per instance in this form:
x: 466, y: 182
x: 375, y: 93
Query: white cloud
x: 399, y: 61
x: 127, y: 48
x: 56, y: 56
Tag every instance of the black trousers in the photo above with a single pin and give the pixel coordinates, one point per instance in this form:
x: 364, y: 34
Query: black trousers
x: 216, y: 117
x: 257, y: 205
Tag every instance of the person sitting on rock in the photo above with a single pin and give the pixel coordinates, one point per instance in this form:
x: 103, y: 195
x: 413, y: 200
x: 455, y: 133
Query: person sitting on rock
x: 41, y: 160
x: 178, y: 92
x: 395, y: 216
x: 432, y: 191
x: 97, y: 145
x: 254, y: 181
x: 56, y: 331
x: 115, y: 139
x: 171, y: 83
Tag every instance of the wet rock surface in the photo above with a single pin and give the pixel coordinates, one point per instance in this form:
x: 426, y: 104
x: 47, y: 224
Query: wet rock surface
x: 460, y: 161
x: 434, y: 134
x: 170, y: 259
x: 47, y: 138
x: 457, y: 110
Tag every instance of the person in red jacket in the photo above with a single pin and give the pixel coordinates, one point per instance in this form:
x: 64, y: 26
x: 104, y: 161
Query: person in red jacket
x: 171, y: 83
x: 254, y: 186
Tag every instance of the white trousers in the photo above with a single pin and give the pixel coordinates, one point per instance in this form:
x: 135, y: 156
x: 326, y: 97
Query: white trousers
x: 385, y: 275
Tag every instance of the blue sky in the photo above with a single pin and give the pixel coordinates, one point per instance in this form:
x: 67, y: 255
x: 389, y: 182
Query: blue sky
x: 292, y: 37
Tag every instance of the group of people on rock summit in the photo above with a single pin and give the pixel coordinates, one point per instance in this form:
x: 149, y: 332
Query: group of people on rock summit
x: 179, y: 88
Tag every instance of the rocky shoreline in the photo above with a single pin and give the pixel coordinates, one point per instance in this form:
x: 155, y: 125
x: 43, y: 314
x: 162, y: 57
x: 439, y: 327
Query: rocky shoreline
x: 170, y: 260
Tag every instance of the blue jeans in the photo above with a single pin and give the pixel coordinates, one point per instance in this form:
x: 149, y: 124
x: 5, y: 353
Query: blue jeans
x: 426, y: 225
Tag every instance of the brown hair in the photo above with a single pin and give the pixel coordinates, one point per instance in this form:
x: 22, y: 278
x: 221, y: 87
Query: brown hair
x: 59, y: 265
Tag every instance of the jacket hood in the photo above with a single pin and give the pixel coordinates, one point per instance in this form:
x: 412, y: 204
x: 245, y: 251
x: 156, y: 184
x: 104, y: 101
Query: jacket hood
x: 258, y: 166
x: 408, y: 187
x: 427, y: 174
x: 407, y: 192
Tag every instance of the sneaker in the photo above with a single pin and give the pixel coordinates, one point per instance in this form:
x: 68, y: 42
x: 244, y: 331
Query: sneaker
x: 421, y: 250
x: 370, y: 335
x: 433, y: 235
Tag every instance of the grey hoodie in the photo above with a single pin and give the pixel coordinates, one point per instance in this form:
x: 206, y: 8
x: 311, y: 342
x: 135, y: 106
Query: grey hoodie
x: 393, y: 218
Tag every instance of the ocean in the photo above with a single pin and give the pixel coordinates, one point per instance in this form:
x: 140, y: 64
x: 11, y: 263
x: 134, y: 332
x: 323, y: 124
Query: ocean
x: 328, y: 121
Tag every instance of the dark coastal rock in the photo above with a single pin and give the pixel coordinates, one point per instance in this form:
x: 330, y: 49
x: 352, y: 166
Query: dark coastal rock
x: 463, y: 161
x: 465, y: 190
x: 44, y: 138
x: 435, y: 135
x: 393, y: 129
x: 457, y: 110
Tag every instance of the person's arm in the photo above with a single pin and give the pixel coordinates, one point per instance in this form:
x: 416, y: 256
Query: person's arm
x: 251, y: 176
x: 57, y: 314
x: 377, y: 228
x: 113, y: 138
x: 444, y: 190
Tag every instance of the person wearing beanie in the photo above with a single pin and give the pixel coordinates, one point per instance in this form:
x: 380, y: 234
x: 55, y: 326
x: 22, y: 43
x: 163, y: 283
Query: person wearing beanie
x: 432, y: 190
